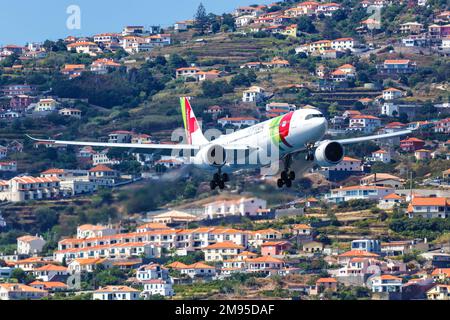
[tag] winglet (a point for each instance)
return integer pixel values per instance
(36, 139)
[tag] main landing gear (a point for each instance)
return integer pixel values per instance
(219, 180)
(287, 176)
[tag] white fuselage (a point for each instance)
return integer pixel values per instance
(269, 141)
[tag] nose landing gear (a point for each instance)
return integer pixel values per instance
(219, 180)
(287, 176)
(309, 152)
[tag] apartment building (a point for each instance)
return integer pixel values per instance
(429, 207)
(241, 207)
(29, 188)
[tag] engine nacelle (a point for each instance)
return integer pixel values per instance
(214, 155)
(329, 153)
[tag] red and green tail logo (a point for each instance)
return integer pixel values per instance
(279, 130)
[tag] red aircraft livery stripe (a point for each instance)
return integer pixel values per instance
(284, 128)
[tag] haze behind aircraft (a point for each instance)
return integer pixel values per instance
(260, 146)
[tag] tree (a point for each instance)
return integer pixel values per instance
(201, 19)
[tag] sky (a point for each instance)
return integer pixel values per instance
(37, 20)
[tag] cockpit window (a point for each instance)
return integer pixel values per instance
(314, 115)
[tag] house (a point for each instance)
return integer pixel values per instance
(30, 245)
(275, 248)
(187, 72)
(358, 192)
(46, 105)
(87, 231)
(116, 293)
(70, 112)
(244, 20)
(73, 70)
(312, 247)
(120, 136)
(326, 284)
(382, 180)
(276, 63)
(346, 257)
(86, 47)
(302, 232)
(8, 166)
(392, 93)
(50, 286)
(438, 32)
(429, 207)
(422, 154)
(17, 291)
(85, 264)
(221, 251)
(442, 126)
(182, 25)
(104, 65)
(198, 269)
(263, 264)
(390, 201)
(411, 28)
(348, 164)
(237, 122)
(133, 31)
(381, 156)
(364, 123)
(411, 144)
(399, 66)
(439, 292)
(49, 272)
(26, 188)
(254, 94)
(258, 237)
(386, 283)
(441, 274)
(174, 216)
(367, 245)
(18, 89)
(103, 175)
(156, 287)
(242, 207)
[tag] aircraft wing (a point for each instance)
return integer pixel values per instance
(155, 146)
(374, 137)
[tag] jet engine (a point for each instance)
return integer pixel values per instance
(329, 153)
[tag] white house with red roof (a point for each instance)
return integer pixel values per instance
(30, 244)
(358, 192)
(86, 47)
(254, 94)
(381, 156)
(386, 283)
(364, 123)
(50, 271)
(87, 231)
(390, 201)
(429, 207)
(392, 93)
(26, 188)
(222, 251)
(102, 175)
(17, 291)
(237, 207)
(109, 293)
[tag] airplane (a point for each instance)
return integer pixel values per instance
(276, 140)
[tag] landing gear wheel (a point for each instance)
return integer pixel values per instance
(288, 183)
(292, 175)
(280, 183)
(221, 185)
(225, 177)
(216, 177)
(213, 185)
(284, 175)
